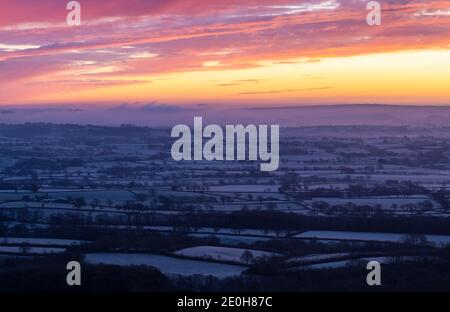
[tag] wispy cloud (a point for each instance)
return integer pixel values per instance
(284, 91)
(17, 47)
(439, 12)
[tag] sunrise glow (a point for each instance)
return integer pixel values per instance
(225, 53)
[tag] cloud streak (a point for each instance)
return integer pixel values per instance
(284, 91)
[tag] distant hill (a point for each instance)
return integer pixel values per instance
(168, 115)
(361, 114)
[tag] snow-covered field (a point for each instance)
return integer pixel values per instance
(364, 261)
(245, 188)
(438, 179)
(370, 236)
(316, 257)
(223, 253)
(385, 202)
(88, 195)
(274, 205)
(40, 241)
(233, 240)
(218, 231)
(10, 195)
(12, 224)
(30, 250)
(167, 265)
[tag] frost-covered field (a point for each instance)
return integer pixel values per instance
(224, 253)
(9, 195)
(30, 250)
(233, 240)
(315, 258)
(360, 261)
(40, 241)
(417, 178)
(245, 188)
(88, 195)
(217, 231)
(167, 265)
(386, 202)
(370, 236)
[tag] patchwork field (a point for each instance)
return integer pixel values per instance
(342, 196)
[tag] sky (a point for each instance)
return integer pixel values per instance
(229, 53)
